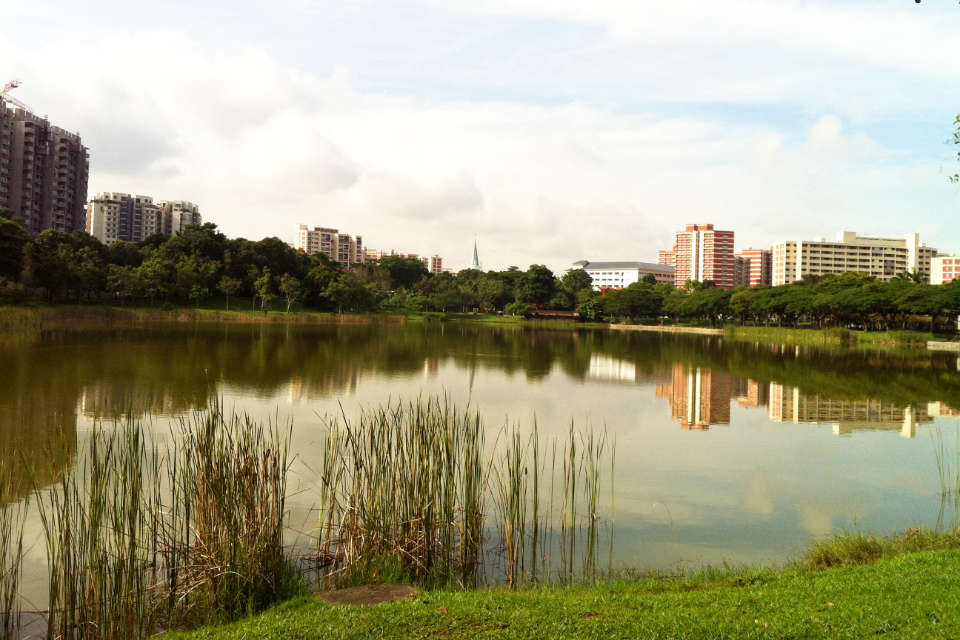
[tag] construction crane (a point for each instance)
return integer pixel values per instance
(4, 95)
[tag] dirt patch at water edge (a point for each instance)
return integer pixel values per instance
(369, 594)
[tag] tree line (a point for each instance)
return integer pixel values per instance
(202, 263)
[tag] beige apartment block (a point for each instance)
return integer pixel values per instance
(340, 247)
(882, 258)
(177, 214)
(43, 172)
(113, 217)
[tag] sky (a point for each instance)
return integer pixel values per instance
(549, 131)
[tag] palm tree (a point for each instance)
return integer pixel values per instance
(910, 276)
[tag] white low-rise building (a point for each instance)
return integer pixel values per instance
(944, 269)
(617, 275)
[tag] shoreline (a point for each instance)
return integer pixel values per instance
(19, 320)
(824, 593)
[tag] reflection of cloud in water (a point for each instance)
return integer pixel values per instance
(824, 518)
(757, 498)
(815, 519)
(730, 492)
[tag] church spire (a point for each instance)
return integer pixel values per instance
(476, 258)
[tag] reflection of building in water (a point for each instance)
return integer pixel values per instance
(942, 410)
(699, 397)
(610, 369)
(750, 393)
(431, 367)
(38, 438)
(790, 404)
(300, 388)
(114, 398)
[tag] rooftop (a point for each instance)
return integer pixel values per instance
(645, 266)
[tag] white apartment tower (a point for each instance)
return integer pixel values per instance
(113, 217)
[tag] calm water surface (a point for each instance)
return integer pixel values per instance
(724, 451)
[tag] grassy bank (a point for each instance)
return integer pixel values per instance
(829, 337)
(870, 589)
(28, 319)
(16, 320)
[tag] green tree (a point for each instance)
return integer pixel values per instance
(290, 289)
(264, 288)
(13, 241)
(517, 309)
(492, 292)
(123, 282)
(576, 280)
(348, 293)
(404, 272)
(956, 140)
(537, 286)
(156, 278)
(591, 308)
(124, 254)
(229, 287)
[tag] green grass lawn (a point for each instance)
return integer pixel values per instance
(916, 595)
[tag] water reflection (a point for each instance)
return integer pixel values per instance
(710, 466)
(170, 371)
(699, 397)
(697, 382)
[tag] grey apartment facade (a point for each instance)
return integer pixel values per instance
(43, 172)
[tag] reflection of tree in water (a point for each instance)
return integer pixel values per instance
(38, 420)
(172, 370)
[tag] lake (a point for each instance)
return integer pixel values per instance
(725, 452)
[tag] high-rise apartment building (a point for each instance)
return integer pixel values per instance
(340, 247)
(43, 172)
(177, 214)
(667, 258)
(704, 253)
(754, 267)
(882, 258)
(113, 217)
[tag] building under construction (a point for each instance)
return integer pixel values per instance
(43, 169)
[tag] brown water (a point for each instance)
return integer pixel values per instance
(724, 451)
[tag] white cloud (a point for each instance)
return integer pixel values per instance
(263, 146)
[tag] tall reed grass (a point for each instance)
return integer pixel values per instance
(413, 490)
(146, 533)
(141, 536)
(11, 558)
(403, 486)
(947, 456)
